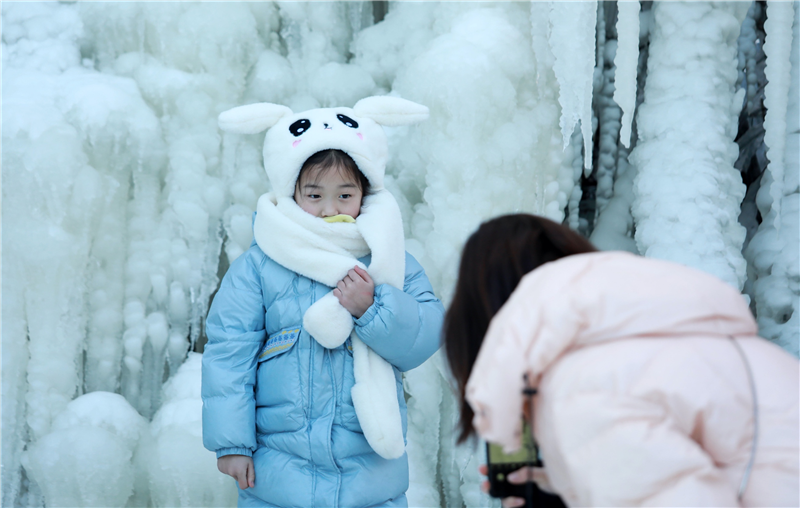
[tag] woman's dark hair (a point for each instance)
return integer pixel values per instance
(324, 161)
(493, 261)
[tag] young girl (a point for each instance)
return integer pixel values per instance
(302, 393)
(653, 386)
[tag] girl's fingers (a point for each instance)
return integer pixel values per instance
(354, 276)
(337, 293)
(251, 475)
(241, 477)
(363, 274)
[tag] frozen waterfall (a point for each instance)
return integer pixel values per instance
(123, 203)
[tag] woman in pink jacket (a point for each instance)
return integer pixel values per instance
(653, 385)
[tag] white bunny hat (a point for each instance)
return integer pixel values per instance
(294, 137)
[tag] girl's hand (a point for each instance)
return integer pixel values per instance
(519, 477)
(240, 467)
(355, 292)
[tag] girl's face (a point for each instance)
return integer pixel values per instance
(328, 193)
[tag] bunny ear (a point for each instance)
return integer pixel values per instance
(252, 118)
(391, 111)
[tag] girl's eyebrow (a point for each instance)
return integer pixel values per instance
(312, 186)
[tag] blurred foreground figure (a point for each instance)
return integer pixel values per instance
(653, 385)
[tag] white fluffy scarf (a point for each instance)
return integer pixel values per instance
(325, 253)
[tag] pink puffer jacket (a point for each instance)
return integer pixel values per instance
(643, 397)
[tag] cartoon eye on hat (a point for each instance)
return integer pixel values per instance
(347, 121)
(300, 126)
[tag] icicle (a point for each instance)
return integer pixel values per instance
(468, 458)
(540, 33)
(178, 325)
(626, 62)
(688, 193)
(14, 358)
(608, 120)
(748, 41)
(143, 224)
(424, 405)
(572, 41)
(774, 252)
(555, 175)
(359, 15)
(613, 229)
(449, 472)
(573, 163)
(103, 347)
(778, 48)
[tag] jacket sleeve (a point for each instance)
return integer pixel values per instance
(622, 450)
(539, 320)
(235, 330)
(403, 327)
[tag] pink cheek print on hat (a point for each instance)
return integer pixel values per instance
(296, 142)
(360, 136)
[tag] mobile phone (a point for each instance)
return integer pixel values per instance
(501, 464)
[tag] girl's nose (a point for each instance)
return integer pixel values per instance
(329, 210)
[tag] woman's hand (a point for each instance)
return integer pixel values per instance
(355, 292)
(240, 467)
(519, 477)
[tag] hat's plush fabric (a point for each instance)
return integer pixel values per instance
(326, 252)
(294, 137)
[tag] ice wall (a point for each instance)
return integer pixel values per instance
(123, 204)
(63, 202)
(112, 228)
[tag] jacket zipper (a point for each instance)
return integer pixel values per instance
(311, 403)
(330, 428)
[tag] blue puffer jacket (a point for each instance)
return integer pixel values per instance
(271, 391)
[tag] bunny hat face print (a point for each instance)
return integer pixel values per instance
(294, 137)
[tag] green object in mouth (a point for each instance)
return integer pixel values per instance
(339, 218)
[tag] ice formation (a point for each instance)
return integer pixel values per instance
(86, 458)
(608, 115)
(688, 194)
(773, 251)
(626, 61)
(123, 203)
(171, 461)
(572, 37)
